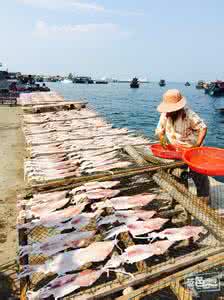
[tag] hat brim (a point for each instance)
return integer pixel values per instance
(166, 108)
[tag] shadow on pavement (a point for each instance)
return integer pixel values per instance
(8, 282)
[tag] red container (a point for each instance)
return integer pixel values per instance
(205, 160)
(169, 152)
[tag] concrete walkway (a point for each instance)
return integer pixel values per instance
(11, 182)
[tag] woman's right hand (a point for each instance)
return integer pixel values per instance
(163, 140)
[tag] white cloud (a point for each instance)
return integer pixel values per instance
(64, 4)
(42, 29)
(75, 5)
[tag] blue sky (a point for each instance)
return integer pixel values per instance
(175, 40)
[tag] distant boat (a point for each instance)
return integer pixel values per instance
(101, 82)
(215, 88)
(83, 80)
(200, 85)
(162, 82)
(134, 83)
(187, 83)
(66, 81)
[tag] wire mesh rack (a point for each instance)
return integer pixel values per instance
(176, 263)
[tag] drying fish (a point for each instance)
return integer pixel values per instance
(102, 157)
(95, 185)
(101, 193)
(47, 208)
(91, 164)
(139, 213)
(126, 216)
(55, 217)
(52, 204)
(64, 285)
(99, 152)
(137, 227)
(98, 160)
(137, 253)
(95, 195)
(72, 260)
(57, 243)
(143, 227)
(140, 252)
(49, 196)
(126, 202)
(111, 219)
(179, 234)
(79, 221)
(87, 187)
(53, 176)
(44, 198)
(79, 198)
(118, 165)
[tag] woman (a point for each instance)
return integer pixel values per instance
(180, 126)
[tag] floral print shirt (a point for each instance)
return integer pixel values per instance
(184, 131)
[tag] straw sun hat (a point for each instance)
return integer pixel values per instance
(172, 101)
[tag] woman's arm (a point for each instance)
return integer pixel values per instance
(199, 126)
(160, 130)
(201, 137)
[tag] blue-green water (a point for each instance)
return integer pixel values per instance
(136, 108)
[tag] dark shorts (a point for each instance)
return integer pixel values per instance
(202, 183)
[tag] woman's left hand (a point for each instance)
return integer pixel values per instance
(192, 146)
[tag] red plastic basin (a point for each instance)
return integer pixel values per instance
(169, 152)
(205, 160)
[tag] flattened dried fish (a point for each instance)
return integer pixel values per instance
(137, 227)
(64, 285)
(126, 202)
(179, 234)
(57, 243)
(55, 217)
(140, 252)
(72, 260)
(126, 216)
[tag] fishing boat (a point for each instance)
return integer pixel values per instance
(200, 84)
(90, 80)
(162, 82)
(101, 82)
(83, 80)
(187, 83)
(215, 88)
(134, 83)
